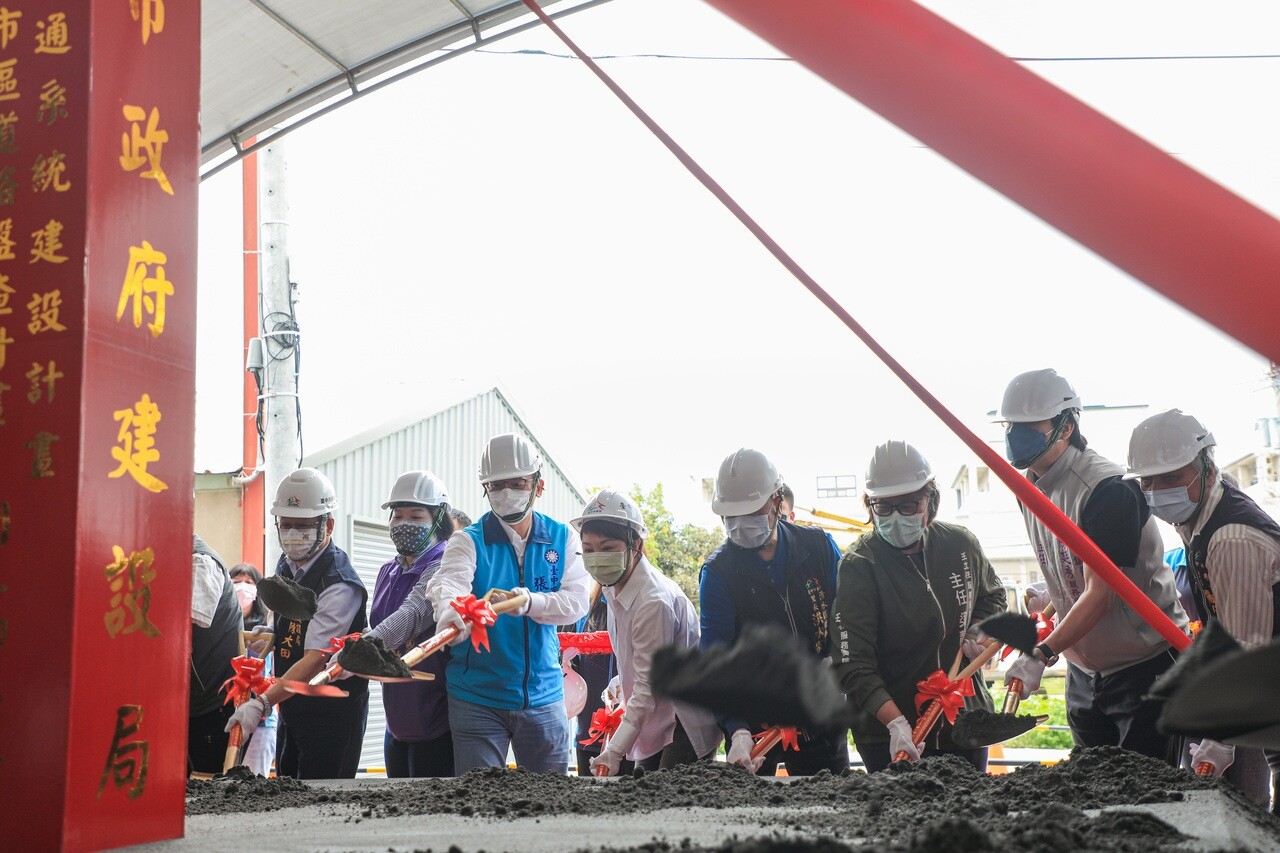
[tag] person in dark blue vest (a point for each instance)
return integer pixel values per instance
(417, 743)
(322, 736)
(769, 572)
(1232, 553)
(511, 696)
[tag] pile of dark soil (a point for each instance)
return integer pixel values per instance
(940, 804)
(370, 656)
(289, 598)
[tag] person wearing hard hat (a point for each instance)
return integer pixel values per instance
(513, 695)
(647, 611)
(770, 571)
(1232, 553)
(908, 592)
(417, 743)
(322, 736)
(1112, 655)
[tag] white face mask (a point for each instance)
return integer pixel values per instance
(607, 567)
(1172, 505)
(749, 531)
(511, 505)
(299, 545)
(246, 593)
(901, 531)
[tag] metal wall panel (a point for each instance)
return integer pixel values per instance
(370, 549)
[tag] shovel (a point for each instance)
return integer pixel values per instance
(1021, 633)
(933, 712)
(1235, 699)
(978, 728)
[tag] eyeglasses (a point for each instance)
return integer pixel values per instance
(885, 508)
(523, 484)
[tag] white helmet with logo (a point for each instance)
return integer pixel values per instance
(507, 457)
(613, 506)
(305, 493)
(897, 468)
(1166, 442)
(746, 480)
(417, 488)
(1037, 395)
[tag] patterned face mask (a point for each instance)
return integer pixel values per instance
(412, 537)
(299, 545)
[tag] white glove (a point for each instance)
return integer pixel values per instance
(607, 759)
(523, 590)
(900, 739)
(740, 746)
(1220, 755)
(1036, 597)
(249, 715)
(972, 643)
(1029, 669)
(453, 619)
(612, 694)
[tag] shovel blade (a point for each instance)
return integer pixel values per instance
(978, 728)
(303, 689)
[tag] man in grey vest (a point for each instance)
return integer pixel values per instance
(1112, 655)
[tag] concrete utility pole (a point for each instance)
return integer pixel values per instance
(280, 403)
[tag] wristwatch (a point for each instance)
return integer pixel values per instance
(1044, 654)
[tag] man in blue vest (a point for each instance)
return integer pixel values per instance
(322, 736)
(511, 696)
(769, 572)
(1232, 553)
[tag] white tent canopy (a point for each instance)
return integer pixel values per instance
(267, 65)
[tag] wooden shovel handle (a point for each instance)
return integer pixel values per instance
(234, 742)
(1013, 698)
(923, 726)
(976, 664)
(440, 639)
(327, 675)
(766, 743)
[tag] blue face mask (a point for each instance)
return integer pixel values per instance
(1172, 505)
(901, 531)
(1024, 444)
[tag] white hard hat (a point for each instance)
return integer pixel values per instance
(896, 468)
(1166, 442)
(1037, 395)
(507, 457)
(613, 506)
(305, 493)
(417, 488)
(746, 480)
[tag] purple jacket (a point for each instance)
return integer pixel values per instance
(415, 712)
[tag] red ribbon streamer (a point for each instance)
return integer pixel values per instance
(477, 613)
(1044, 627)
(942, 689)
(590, 643)
(336, 643)
(248, 679)
(789, 737)
(603, 724)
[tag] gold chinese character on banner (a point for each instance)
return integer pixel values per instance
(150, 13)
(145, 291)
(53, 102)
(9, 80)
(141, 148)
(47, 375)
(8, 187)
(8, 25)
(44, 308)
(8, 132)
(137, 438)
(49, 173)
(5, 292)
(3, 388)
(127, 759)
(52, 36)
(129, 579)
(42, 464)
(46, 243)
(5, 340)
(6, 240)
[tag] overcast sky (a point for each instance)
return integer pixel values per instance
(502, 219)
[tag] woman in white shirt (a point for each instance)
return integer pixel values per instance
(646, 612)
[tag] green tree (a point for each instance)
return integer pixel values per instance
(678, 551)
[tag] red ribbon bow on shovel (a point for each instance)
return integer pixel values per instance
(336, 643)
(1044, 627)
(248, 679)
(603, 724)
(477, 613)
(949, 694)
(788, 736)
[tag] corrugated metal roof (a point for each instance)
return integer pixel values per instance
(276, 63)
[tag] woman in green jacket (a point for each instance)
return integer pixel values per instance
(906, 594)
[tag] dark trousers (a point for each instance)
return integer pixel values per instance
(206, 740)
(825, 752)
(418, 759)
(876, 757)
(1109, 710)
(322, 741)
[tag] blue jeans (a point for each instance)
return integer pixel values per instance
(538, 737)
